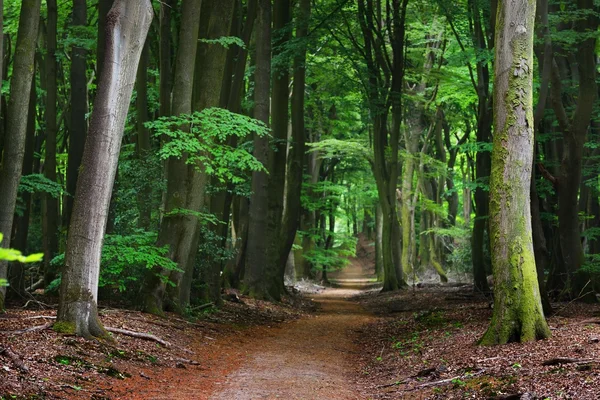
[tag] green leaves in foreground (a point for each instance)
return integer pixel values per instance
(15, 255)
(205, 138)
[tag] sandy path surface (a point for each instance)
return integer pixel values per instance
(306, 359)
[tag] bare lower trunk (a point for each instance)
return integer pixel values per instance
(14, 146)
(127, 26)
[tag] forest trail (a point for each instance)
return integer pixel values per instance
(309, 358)
(306, 359)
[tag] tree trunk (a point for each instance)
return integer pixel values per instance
(104, 7)
(21, 223)
(50, 207)
(128, 23)
(14, 146)
(277, 245)
(257, 272)
(79, 109)
(574, 131)
(165, 57)
(518, 315)
(143, 137)
(379, 243)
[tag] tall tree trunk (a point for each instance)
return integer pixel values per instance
(276, 247)
(14, 146)
(257, 272)
(50, 207)
(574, 131)
(104, 7)
(165, 49)
(128, 23)
(79, 108)
(143, 137)
(172, 229)
(21, 222)
(518, 315)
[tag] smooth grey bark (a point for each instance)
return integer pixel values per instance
(518, 315)
(172, 227)
(14, 146)
(79, 108)
(128, 23)
(257, 271)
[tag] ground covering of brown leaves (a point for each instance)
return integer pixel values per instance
(423, 346)
(55, 366)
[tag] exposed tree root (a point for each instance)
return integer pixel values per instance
(138, 335)
(14, 358)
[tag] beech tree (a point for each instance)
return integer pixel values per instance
(518, 314)
(127, 23)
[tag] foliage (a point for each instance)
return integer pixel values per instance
(225, 41)
(15, 255)
(126, 258)
(334, 258)
(202, 136)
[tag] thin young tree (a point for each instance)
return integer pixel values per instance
(128, 23)
(518, 314)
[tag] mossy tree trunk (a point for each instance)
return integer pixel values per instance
(14, 142)
(128, 23)
(518, 315)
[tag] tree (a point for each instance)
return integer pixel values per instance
(79, 106)
(50, 204)
(128, 23)
(14, 147)
(518, 314)
(258, 275)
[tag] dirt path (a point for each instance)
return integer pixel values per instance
(306, 359)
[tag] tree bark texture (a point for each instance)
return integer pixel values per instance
(14, 146)
(128, 23)
(518, 314)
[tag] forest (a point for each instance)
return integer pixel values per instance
(243, 198)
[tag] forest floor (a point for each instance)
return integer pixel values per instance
(342, 343)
